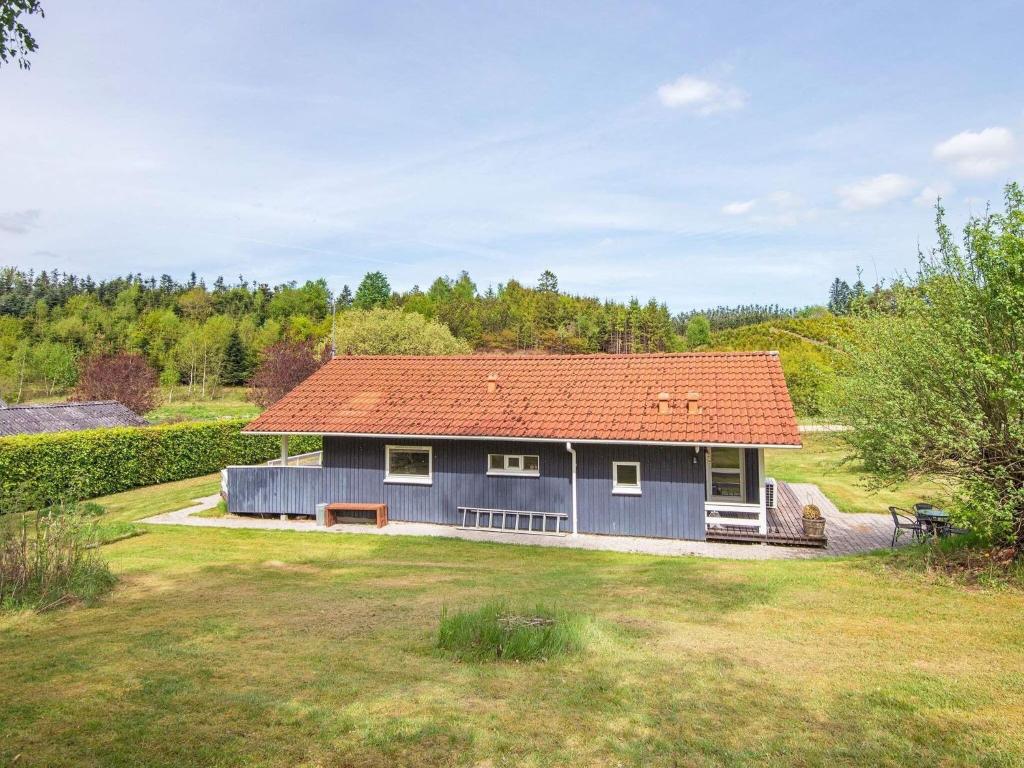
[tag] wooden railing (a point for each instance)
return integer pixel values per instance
(753, 516)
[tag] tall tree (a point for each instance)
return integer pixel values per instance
(235, 368)
(548, 282)
(938, 385)
(839, 297)
(373, 291)
(698, 331)
(16, 42)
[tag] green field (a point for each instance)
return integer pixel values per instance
(223, 647)
(228, 402)
(823, 460)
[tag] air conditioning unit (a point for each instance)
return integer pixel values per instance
(769, 492)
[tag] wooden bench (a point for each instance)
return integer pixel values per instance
(333, 511)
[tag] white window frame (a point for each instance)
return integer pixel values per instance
(506, 472)
(742, 472)
(621, 489)
(427, 479)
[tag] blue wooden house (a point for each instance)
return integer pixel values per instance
(658, 445)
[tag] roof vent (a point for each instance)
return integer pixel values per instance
(663, 402)
(692, 403)
(492, 382)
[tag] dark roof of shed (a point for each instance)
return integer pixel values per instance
(64, 417)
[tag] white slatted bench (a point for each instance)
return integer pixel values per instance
(473, 518)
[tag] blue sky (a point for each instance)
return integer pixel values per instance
(703, 153)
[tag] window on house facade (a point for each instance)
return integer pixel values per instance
(513, 464)
(408, 464)
(725, 478)
(626, 477)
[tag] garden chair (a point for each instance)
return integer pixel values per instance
(904, 521)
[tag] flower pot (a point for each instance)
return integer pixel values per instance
(814, 527)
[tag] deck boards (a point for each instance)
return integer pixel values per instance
(785, 524)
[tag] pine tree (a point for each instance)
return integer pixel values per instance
(345, 297)
(839, 297)
(235, 370)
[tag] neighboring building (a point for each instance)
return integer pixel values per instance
(643, 445)
(65, 417)
(636, 444)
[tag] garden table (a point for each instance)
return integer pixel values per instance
(935, 521)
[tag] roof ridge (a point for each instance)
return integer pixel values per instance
(64, 404)
(553, 356)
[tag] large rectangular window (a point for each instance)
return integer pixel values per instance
(522, 465)
(408, 464)
(626, 478)
(726, 475)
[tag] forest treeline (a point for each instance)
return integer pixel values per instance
(205, 336)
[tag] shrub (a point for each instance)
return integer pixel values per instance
(283, 367)
(42, 469)
(46, 562)
(494, 632)
(128, 379)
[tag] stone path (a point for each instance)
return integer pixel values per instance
(847, 534)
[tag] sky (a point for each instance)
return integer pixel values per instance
(700, 153)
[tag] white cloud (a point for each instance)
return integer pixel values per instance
(18, 222)
(980, 153)
(931, 192)
(774, 210)
(704, 97)
(879, 190)
(739, 208)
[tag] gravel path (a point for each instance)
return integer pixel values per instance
(848, 534)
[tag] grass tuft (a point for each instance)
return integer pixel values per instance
(50, 561)
(495, 632)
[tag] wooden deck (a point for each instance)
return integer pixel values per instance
(785, 525)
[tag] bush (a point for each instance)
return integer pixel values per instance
(973, 560)
(496, 633)
(46, 562)
(37, 470)
(126, 378)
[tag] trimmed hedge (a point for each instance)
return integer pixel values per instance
(42, 469)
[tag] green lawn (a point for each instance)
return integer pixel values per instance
(223, 647)
(229, 402)
(822, 461)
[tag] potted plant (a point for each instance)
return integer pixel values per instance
(814, 523)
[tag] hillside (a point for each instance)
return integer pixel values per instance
(810, 349)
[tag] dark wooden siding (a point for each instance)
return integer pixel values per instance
(274, 490)
(671, 504)
(354, 471)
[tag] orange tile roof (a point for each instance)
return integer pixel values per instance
(742, 398)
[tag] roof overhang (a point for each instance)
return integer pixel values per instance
(499, 438)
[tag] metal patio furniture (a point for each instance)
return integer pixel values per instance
(903, 520)
(933, 521)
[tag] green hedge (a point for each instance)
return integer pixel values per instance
(41, 469)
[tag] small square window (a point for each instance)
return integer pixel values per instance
(513, 464)
(408, 464)
(626, 477)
